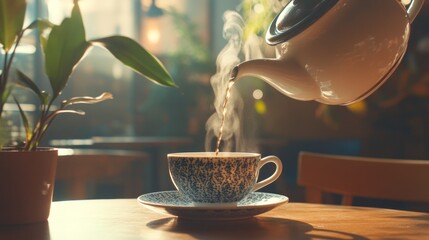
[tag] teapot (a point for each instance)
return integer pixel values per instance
(335, 52)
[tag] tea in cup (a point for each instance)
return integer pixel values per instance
(207, 178)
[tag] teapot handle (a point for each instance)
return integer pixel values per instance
(414, 9)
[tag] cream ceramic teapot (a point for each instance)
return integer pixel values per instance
(334, 51)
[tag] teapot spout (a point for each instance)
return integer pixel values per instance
(286, 76)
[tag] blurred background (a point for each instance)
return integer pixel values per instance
(187, 36)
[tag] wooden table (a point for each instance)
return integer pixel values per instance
(127, 219)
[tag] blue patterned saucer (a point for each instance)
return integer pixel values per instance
(174, 203)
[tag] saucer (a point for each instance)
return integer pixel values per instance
(174, 203)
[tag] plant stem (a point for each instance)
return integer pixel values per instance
(3, 80)
(7, 64)
(41, 126)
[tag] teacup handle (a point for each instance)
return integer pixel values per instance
(274, 176)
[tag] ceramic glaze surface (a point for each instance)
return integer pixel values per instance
(214, 180)
(175, 203)
(341, 57)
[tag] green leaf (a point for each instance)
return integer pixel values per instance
(65, 47)
(12, 13)
(43, 41)
(88, 100)
(25, 81)
(41, 24)
(130, 53)
(5, 95)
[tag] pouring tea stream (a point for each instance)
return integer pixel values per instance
(335, 52)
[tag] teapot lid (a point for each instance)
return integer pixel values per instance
(295, 17)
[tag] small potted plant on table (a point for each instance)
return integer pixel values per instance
(27, 171)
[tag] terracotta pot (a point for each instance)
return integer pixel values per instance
(26, 185)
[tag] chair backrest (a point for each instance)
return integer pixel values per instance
(82, 167)
(389, 179)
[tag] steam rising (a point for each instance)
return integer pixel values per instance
(227, 59)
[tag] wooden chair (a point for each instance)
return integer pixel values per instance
(81, 168)
(387, 179)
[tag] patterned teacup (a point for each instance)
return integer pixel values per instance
(207, 179)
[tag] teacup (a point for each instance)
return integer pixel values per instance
(210, 179)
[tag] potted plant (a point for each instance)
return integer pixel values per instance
(27, 171)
